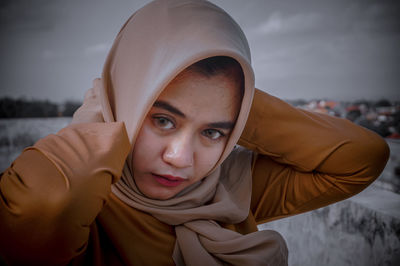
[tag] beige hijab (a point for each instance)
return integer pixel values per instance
(155, 44)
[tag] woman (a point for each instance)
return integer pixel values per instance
(148, 174)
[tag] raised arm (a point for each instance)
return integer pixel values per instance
(306, 160)
(53, 191)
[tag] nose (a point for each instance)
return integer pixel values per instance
(179, 151)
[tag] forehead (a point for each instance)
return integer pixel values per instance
(195, 94)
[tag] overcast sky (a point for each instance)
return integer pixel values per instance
(338, 49)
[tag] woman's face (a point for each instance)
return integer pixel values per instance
(184, 133)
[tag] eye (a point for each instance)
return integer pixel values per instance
(213, 134)
(163, 122)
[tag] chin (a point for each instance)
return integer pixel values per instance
(158, 193)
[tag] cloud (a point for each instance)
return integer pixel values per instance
(97, 49)
(23, 15)
(277, 23)
(50, 54)
(378, 18)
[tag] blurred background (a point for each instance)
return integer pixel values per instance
(339, 57)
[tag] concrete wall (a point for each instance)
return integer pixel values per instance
(362, 231)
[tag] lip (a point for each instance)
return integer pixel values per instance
(168, 180)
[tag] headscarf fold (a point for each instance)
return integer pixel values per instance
(154, 45)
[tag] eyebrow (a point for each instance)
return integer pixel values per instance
(168, 107)
(222, 125)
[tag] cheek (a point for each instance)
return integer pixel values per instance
(207, 158)
(146, 148)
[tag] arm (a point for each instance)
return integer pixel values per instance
(306, 160)
(54, 190)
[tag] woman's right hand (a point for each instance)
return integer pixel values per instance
(54, 190)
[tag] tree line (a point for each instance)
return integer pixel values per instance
(19, 108)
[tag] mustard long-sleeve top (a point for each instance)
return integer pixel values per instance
(302, 161)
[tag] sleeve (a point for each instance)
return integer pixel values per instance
(306, 160)
(53, 191)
